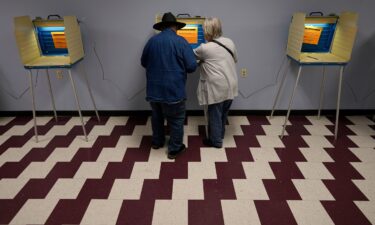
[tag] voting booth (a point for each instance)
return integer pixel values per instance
(54, 42)
(318, 40)
(193, 31)
(49, 43)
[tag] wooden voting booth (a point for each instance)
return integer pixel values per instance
(318, 40)
(322, 39)
(54, 42)
(193, 31)
(49, 43)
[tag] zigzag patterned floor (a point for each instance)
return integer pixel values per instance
(116, 178)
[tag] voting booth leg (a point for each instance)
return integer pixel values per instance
(291, 100)
(33, 103)
(77, 103)
(280, 87)
(322, 92)
(338, 102)
(205, 110)
(91, 95)
(51, 95)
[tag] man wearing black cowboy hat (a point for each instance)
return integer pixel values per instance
(168, 58)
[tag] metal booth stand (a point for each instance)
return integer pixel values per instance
(319, 41)
(50, 44)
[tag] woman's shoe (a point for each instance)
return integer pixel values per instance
(173, 155)
(153, 146)
(207, 142)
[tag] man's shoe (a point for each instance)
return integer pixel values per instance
(173, 155)
(207, 142)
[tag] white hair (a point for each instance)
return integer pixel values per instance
(212, 28)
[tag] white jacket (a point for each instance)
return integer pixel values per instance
(218, 77)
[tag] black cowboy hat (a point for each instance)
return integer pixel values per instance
(168, 20)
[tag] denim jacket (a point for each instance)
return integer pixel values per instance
(167, 58)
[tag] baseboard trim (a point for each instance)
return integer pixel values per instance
(343, 112)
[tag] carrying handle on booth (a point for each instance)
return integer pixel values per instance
(315, 13)
(54, 15)
(183, 14)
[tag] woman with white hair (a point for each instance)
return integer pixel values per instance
(218, 84)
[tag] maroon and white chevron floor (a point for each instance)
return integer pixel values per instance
(256, 178)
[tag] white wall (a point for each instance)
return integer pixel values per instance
(119, 29)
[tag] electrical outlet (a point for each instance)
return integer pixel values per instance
(244, 72)
(59, 74)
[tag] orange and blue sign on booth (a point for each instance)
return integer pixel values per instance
(190, 33)
(312, 35)
(193, 31)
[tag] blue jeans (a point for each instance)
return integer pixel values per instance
(175, 115)
(217, 117)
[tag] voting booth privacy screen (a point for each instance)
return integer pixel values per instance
(192, 32)
(318, 36)
(51, 37)
(322, 39)
(48, 42)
